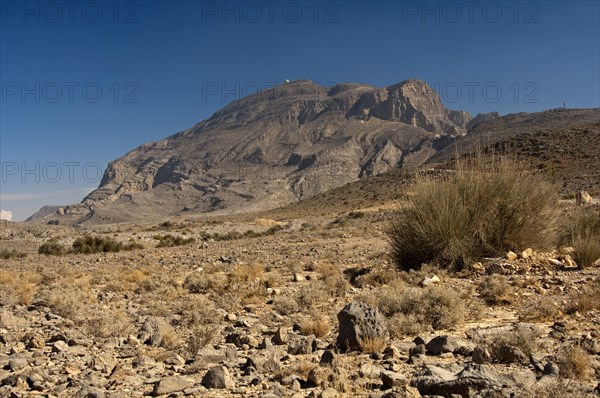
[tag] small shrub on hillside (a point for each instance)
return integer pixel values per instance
(319, 325)
(495, 289)
(574, 363)
(285, 305)
(522, 336)
(51, 248)
(6, 254)
(484, 208)
(412, 310)
(583, 234)
(586, 300)
(172, 241)
(87, 245)
(538, 310)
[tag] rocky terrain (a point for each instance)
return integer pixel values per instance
(276, 305)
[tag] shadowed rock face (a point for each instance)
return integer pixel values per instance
(277, 146)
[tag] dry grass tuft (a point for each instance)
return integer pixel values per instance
(495, 289)
(583, 234)
(319, 325)
(574, 363)
(412, 310)
(540, 309)
(371, 345)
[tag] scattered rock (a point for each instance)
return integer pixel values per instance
(481, 355)
(441, 344)
(392, 379)
(583, 198)
(359, 321)
(510, 354)
(327, 358)
(153, 331)
(217, 377)
(171, 384)
(280, 337)
(302, 345)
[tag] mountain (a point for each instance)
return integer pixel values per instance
(43, 212)
(276, 147)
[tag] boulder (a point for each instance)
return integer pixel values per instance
(442, 344)
(153, 331)
(217, 377)
(170, 385)
(582, 198)
(357, 322)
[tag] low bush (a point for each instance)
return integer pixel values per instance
(172, 241)
(6, 254)
(412, 310)
(487, 206)
(52, 249)
(583, 234)
(495, 289)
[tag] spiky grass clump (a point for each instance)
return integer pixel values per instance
(488, 205)
(583, 234)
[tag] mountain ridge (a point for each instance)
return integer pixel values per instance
(278, 146)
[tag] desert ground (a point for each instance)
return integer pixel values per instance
(248, 305)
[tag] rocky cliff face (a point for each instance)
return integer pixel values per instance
(277, 146)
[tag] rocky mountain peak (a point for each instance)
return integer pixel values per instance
(275, 146)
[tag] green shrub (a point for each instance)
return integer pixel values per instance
(583, 234)
(95, 244)
(6, 254)
(485, 207)
(87, 245)
(52, 248)
(172, 241)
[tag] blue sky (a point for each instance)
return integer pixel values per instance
(84, 82)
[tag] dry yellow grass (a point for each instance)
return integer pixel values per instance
(319, 325)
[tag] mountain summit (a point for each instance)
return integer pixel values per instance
(275, 147)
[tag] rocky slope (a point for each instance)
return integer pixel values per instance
(257, 316)
(275, 147)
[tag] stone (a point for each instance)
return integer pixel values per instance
(417, 350)
(318, 376)
(17, 363)
(583, 198)
(511, 256)
(481, 355)
(153, 331)
(434, 380)
(171, 384)
(302, 345)
(359, 321)
(510, 354)
(441, 344)
(267, 363)
(60, 346)
(434, 280)
(526, 254)
(216, 356)
(369, 371)
(280, 337)
(217, 377)
(392, 379)
(327, 358)
(329, 393)
(551, 369)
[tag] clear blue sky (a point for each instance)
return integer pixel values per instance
(163, 66)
